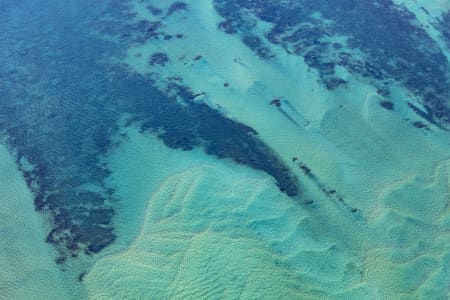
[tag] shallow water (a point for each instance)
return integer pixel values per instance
(225, 149)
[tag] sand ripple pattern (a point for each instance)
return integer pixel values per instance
(195, 244)
(211, 233)
(207, 237)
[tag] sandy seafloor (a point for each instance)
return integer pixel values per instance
(191, 226)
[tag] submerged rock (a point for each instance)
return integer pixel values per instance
(176, 6)
(387, 105)
(158, 58)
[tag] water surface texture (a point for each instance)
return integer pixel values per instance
(225, 149)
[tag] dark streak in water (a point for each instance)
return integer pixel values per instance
(427, 116)
(280, 109)
(330, 193)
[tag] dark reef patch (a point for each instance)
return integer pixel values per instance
(420, 125)
(62, 103)
(176, 6)
(154, 10)
(387, 105)
(444, 27)
(158, 58)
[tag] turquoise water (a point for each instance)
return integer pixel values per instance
(225, 149)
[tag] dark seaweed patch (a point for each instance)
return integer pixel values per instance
(419, 124)
(228, 26)
(154, 10)
(176, 6)
(81, 276)
(333, 83)
(387, 105)
(158, 58)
